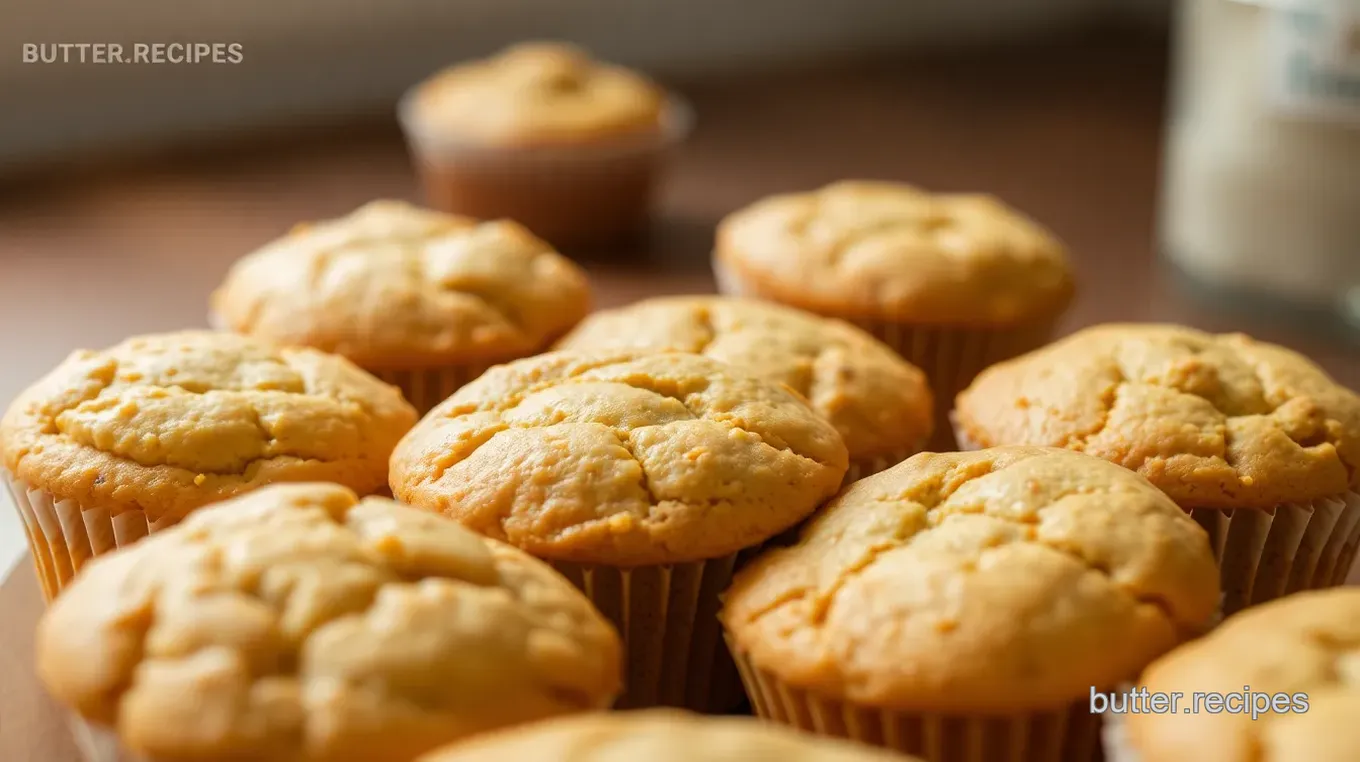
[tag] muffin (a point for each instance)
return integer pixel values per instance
(879, 403)
(639, 477)
(423, 300)
(1257, 443)
(967, 603)
(541, 133)
(656, 735)
(301, 623)
(1278, 683)
(952, 282)
(115, 444)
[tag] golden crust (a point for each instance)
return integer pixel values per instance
(1306, 644)
(878, 402)
(621, 459)
(887, 251)
(170, 422)
(1000, 581)
(394, 286)
(299, 623)
(1215, 421)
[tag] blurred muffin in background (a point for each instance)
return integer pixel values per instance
(543, 134)
(424, 300)
(122, 442)
(301, 623)
(954, 283)
(878, 402)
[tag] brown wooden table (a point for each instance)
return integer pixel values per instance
(1068, 132)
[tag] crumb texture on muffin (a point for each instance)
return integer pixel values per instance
(621, 459)
(887, 251)
(1006, 580)
(169, 422)
(1215, 421)
(301, 623)
(392, 286)
(1305, 645)
(657, 735)
(878, 402)
(536, 94)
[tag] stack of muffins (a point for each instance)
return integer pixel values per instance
(252, 549)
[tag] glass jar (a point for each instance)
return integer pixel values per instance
(1261, 192)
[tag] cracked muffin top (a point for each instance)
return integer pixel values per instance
(1215, 421)
(879, 250)
(395, 286)
(535, 94)
(657, 735)
(621, 459)
(878, 402)
(1034, 574)
(1306, 646)
(169, 422)
(301, 624)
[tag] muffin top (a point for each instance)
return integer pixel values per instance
(657, 735)
(617, 458)
(878, 250)
(395, 286)
(1215, 421)
(536, 94)
(301, 623)
(1305, 646)
(170, 422)
(1034, 574)
(878, 402)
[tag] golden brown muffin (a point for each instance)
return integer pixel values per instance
(891, 252)
(655, 736)
(879, 403)
(971, 598)
(536, 94)
(1215, 421)
(300, 624)
(166, 423)
(1306, 647)
(392, 286)
(621, 459)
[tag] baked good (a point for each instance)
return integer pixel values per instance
(973, 597)
(1253, 439)
(543, 134)
(300, 623)
(656, 735)
(641, 477)
(1278, 683)
(425, 300)
(116, 443)
(952, 282)
(878, 402)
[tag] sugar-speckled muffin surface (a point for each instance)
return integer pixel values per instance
(1215, 421)
(395, 286)
(878, 402)
(621, 459)
(301, 624)
(169, 422)
(1002, 581)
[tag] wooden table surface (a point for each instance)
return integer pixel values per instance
(1069, 133)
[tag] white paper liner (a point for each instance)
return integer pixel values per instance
(426, 387)
(870, 466)
(99, 744)
(1114, 738)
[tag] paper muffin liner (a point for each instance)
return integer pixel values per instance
(1071, 734)
(870, 466)
(1114, 739)
(63, 535)
(98, 743)
(426, 387)
(667, 616)
(1265, 554)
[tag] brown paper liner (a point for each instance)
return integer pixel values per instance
(1265, 554)
(674, 653)
(426, 387)
(1071, 734)
(64, 535)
